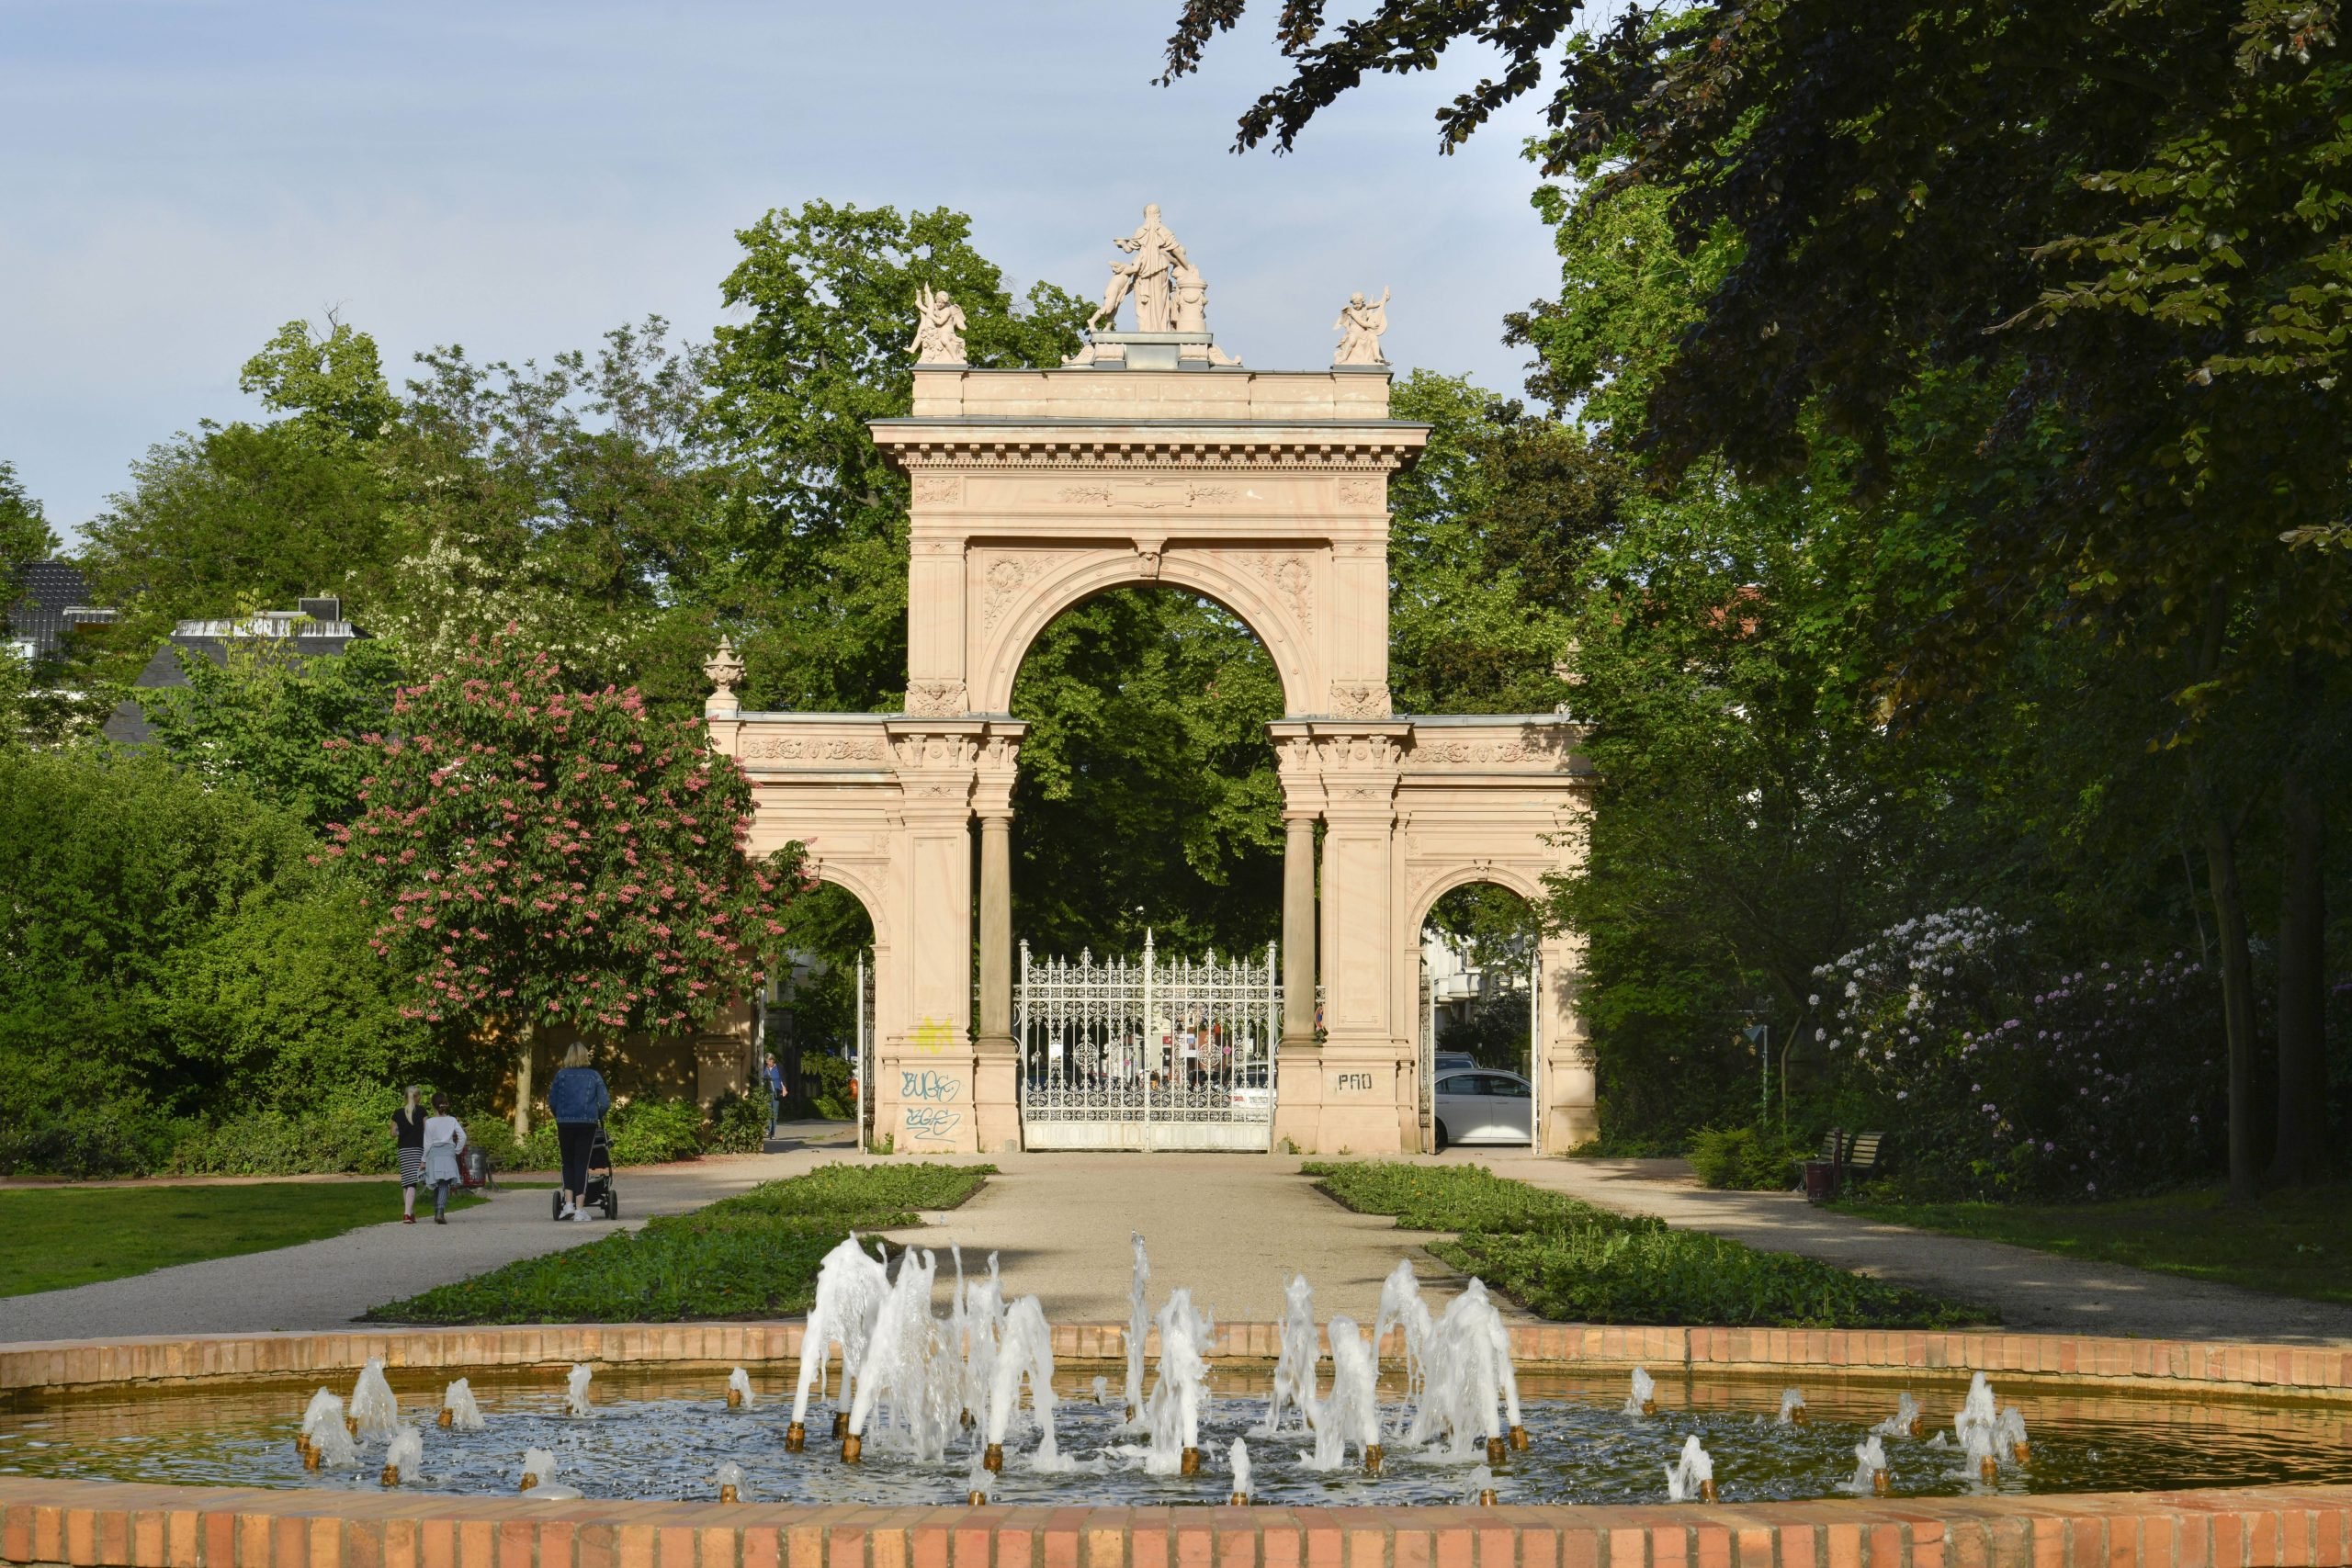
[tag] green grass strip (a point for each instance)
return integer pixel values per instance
(1570, 1262)
(755, 1255)
(51, 1237)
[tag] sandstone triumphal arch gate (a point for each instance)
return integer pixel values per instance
(1152, 459)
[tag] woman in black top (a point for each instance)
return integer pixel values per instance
(408, 1128)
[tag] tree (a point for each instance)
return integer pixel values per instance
(263, 716)
(541, 856)
(332, 386)
(815, 579)
(171, 951)
(25, 534)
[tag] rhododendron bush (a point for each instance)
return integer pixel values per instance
(538, 856)
(2000, 1078)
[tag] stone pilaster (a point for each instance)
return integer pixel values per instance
(996, 1077)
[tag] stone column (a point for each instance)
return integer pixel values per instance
(996, 930)
(1298, 931)
(996, 1077)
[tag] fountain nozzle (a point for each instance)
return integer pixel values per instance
(1188, 1463)
(727, 1494)
(1487, 1498)
(530, 1479)
(1798, 1417)
(1988, 1468)
(310, 1457)
(977, 1499)
(840, 1422)
(993, 1458)
(351, 1425)
(734, 1399)
(1649, 1406)
(444, 1418)
(1881, 1483)
(1518, 1439)
(795, 1438)
(1238, 1500)
(391, 1476)
(1497, 1450)
(2018, 1451)
(1372, 1457)
(1707, 1490)
(853, 1449)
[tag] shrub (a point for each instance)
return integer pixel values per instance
(126, 1137)
(2004, 1079)
(655, 1132)
(349, 1134)
(755, 1255)
(737, 1125)
(1750, 1160)
(1570, 1261)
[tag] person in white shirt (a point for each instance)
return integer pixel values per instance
(445, 1136)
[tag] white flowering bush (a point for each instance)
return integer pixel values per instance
(2000, 1078)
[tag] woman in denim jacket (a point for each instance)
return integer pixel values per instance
(576, 1099)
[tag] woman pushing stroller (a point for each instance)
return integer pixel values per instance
(577, 1098)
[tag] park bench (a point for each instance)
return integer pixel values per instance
(1859, 1153)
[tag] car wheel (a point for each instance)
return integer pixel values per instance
(1442, 1139)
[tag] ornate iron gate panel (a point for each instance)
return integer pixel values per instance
(1126, 1054)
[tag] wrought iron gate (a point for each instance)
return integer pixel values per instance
(1128, 1054)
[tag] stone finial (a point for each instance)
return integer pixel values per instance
(939, 328)
(1360, 326)
(725, 668)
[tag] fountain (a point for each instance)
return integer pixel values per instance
(1468, 1376)
(1296, 1374)
(1692, 1474)
(373, 1407)
(1352, 1413)
(1173, 1417)
(936, 1395)
(1904, 1422)
(459, 1410)
(404, 1456)
(326, 1441)
(1138, 1320)
(1401, 1307)
(850, 1287)
(1871, 1478)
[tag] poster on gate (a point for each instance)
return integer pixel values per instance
(1192, 1046)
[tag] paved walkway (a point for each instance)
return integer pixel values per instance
(2035, 1291)
(325, 1284)
(1233, 1227)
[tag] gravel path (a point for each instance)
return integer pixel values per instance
(325, 1284)
(2035, 1291)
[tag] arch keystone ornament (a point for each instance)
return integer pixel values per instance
(1152, 458)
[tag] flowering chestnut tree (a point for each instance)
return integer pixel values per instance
(538, 856)
(2088, 1081)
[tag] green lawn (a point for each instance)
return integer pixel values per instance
(1571, 1262)
(755, 1255)
(51, 1237)
(2295, 1242)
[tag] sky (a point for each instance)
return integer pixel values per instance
(180, 177)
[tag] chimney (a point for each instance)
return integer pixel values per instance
(320, 609)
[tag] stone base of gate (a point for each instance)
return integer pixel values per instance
(1330, 1103)
(930, 1102)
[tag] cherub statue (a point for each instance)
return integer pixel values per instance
(1123, 282)
(939, 328)
(1360, 326)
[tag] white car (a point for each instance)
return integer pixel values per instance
(1485, 1105)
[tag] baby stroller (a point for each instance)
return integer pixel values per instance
(598, 1191)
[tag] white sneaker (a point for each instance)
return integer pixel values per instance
(569, 1213)
(582, 1215)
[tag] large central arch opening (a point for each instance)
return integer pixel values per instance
(1146, 886)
